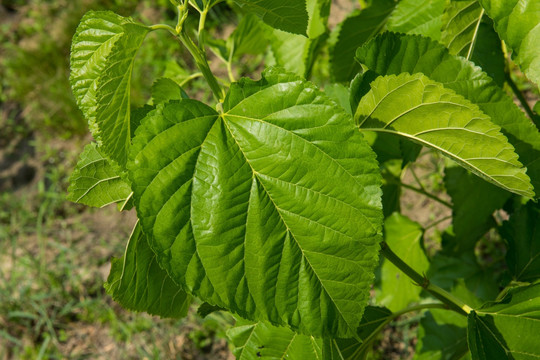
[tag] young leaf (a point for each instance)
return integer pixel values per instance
(102, 55)
(474, 202)
(393, 54)
(165, 90)
(418, 17)
(290, 16)
(262, 340)
(96, 181)
(353, 32)
(138, 283)
(461, 22)
(425, 112)
(404, 237)
(92, 44)
(522, 233)
(518, 24)
(508, 329)
(232, 223)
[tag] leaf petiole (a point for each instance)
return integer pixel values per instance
(453, 303)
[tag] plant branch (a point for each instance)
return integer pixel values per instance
(202, 64)
(520, 96)
(453, 303)
(368, 340)
(423, 192)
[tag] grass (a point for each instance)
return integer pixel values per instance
(54, 259)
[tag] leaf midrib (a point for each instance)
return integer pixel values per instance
(285, 223)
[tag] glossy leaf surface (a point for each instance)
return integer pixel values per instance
(138, 283)
(425, 112)
(262, 340)
(393, 54)
(96, 181)
(507, 329)
(270, 209)
(518, 24)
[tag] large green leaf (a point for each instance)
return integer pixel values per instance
(270, 209)
(102, 56)
(96, 181)
(394, 53)
(522, 232)
(518, 24)
(461, 22)
(473, 204)
(262, 340)
(508, 329)
(419, 17)
(425, 112)
(404, 237)
(138, 283)
(354, 31)
(290, 16)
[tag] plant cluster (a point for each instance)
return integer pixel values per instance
(274, 201)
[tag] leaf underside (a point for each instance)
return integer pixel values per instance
(96, 181)
(461, 21)
(518, 23)
(394, 54)
(266, 209)
(425, 112)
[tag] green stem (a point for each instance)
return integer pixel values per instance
(368, 340)
(520, 96)
(453, 303)
(200, 31)
(198, 55)
(202, 64)
(423, 192)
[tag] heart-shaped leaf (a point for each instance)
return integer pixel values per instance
(270, 209)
